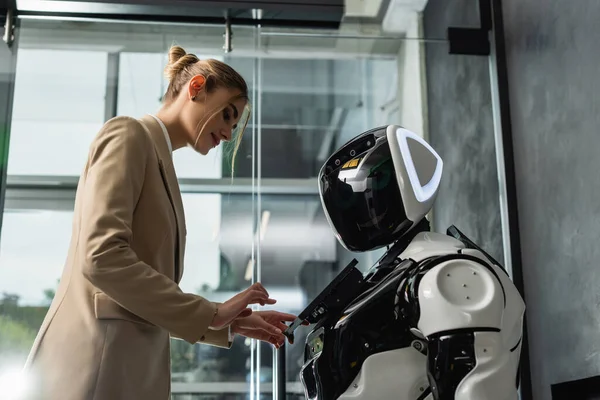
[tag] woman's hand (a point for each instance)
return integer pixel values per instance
(237, 306)
(267, 326)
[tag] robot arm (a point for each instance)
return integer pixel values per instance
(461, 306)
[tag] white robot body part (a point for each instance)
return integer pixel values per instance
(405, 368)
(418, 171)
(436, 318)
(457, 295)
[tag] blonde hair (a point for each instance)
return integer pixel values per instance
(182, 67)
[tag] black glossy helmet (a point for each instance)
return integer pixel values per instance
(378, 186)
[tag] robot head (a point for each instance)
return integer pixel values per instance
(378, 186)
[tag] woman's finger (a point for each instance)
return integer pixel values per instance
(264, 325)
(256, 288)
(272, 329)
(256, 296)
(260, 323)
(253, 297)
(276, 342)
(277, 316)
(260, 287)
(282, 326)
(280, 316)
(277, 338)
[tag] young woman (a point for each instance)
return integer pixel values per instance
(106, 335)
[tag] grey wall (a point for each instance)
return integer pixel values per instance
(554, 84)
(461, 129)
(552, 51)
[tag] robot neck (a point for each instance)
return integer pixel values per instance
(402, 243)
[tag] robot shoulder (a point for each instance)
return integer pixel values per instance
(457, 292)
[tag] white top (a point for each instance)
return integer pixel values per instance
(164, 129)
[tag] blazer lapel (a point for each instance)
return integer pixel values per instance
(167, 170)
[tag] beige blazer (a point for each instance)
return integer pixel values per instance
(106, 335)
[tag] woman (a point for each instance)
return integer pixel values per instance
(106, 335)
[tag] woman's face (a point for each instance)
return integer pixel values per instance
(205, 135)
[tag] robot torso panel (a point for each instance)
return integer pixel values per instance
(435, 318)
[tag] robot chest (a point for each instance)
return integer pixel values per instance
(367, 337)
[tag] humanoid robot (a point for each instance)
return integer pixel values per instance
(435, 318)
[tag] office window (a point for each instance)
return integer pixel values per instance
(58, 108)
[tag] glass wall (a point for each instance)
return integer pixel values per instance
(311, 92)
(69, 80)
(309, 95)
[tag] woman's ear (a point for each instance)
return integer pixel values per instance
(197, 84)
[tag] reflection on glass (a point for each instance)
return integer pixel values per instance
(312, 106)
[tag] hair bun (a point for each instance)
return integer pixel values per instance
(178, 60)
(175, 54)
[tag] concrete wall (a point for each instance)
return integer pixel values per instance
(553, 82)
(461, 130)
(553, 60)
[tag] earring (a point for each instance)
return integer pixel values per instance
(193, 98)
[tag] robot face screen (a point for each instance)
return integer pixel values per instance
(363, 200)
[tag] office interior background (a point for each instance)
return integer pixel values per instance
(504, 90)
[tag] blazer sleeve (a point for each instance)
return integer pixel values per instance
(114, 177)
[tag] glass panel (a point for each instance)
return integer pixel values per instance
(311, 103)
(57, 110)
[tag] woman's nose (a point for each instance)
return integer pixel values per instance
(226, 134)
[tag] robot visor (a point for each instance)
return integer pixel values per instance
(363, 200)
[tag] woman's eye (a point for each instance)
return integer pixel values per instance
(226, 115)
